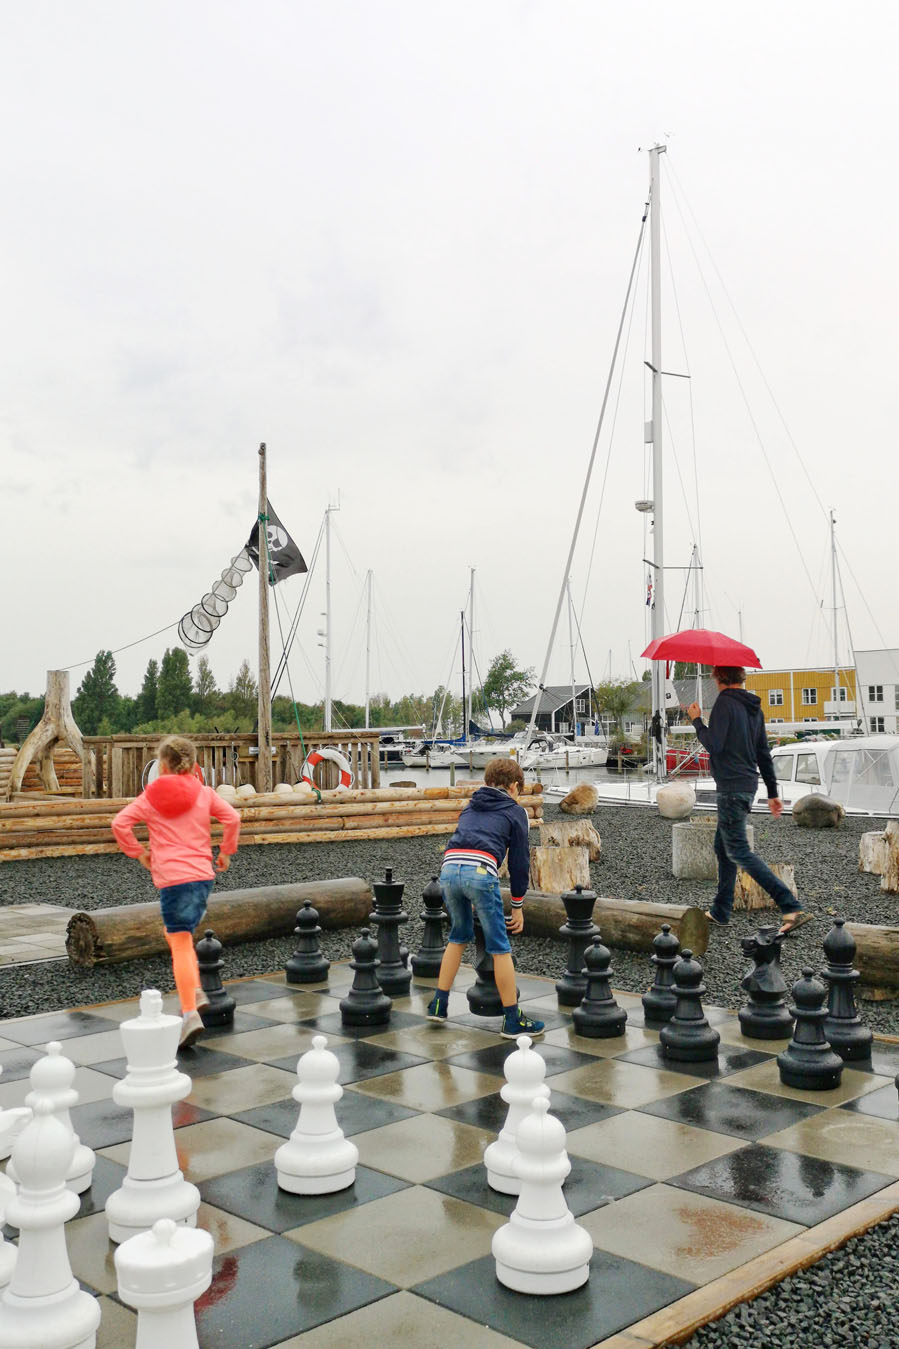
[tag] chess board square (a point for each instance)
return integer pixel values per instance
(405, 1237)
(435, 1040)
(210, 1148)
(108, 1176)
(626, 1085)
(634, 1037)
(732, 1034)
(245, 991)
(731, 1110)
(715, 1016)
(553, 1020)
(100, 1124)
(401, 1319)
(197, 1061)
(422, 1147)
(729, 1059)
(311, 1289)
(240, 1021)
(230, 1090)
(298, 1007)
(16, 1063)
(93, 1049)
(252, 1191)
(91, 1253)
(332, 1024)
(490, 1112)
(90, 1084)
(419, 997)
(558, 1058)
(884, 1103)
(40, 1030)
(588, 1185)
(646, 1146)
(766, 1077)
(118, 1324)
(429, 1086)
(884, 1060)
(617, 1293)
(355, 1114)
(843, 1136)
(666, 1228)
(279, 1040)
(360, 1059)
(800, 1189)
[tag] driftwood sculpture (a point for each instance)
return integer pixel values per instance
(56, 727)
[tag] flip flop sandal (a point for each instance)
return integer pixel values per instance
(801, 919)
(715, 921)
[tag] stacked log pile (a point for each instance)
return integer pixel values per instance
(67, 766)
(53, 828)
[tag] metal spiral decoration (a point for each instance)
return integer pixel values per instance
(196, 627)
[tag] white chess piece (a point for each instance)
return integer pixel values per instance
(12, 1122)
(154, 1186)
(317, 1159)
(42, 1304)
(51, 1081)
(541, 1249)
(525, 1071)
(162, 1273)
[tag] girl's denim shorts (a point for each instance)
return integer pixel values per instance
(467, 888)
(184, 905)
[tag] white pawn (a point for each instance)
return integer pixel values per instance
(317, 1159)
(162, 1273)
(541, 1249)
(51, 1081)
(12, 1122)
(42, 1304)
(154, 1186)
(525, 1071)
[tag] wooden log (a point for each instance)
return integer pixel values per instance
(625, 923)
(890, 878)
(748, 894)
(877, 958)
(872, 852)
(569, 834)
(135, 930)
(555, 870)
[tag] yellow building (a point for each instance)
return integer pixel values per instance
(804, 695)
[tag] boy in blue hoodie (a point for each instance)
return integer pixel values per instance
(492, 824)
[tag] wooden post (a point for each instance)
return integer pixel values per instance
(56, 726)
(890, 877)
(264, 700)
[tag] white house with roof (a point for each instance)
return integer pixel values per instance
(877, 673)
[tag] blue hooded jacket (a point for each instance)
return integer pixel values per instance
(736, 741)
(493, 822)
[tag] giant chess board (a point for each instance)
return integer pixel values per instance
(696, 1182)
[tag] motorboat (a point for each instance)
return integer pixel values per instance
(862, 773)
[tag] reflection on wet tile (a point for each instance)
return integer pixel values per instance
(90, 1085)
(727, 1061)
(92, 1049)
(675, 1230)
(211, 1148)
(253, 1191)
(100, 1124)
(623, 1084)
(39, 1030)
(224, 1092)
(657, 1148)
(245, 991)
(196, 1061)
(108, 1176)
(634, 1037)
(91, 1252)
(401, 1319)
(429, 1086)
(589, 1185)
(378, 1238)
(490, 1112)
(227, 1230)
(118, 1325)
(884, 1103)
(766, 1077)
(420, 1148)
(418, 1000)
(771, 1180)
(844, 1136)
(492, 1059)
(275, 1042)
(355, 1114)
(437, 1042)
(291, 1009)
(726, 1109)
(731, 1034)
(16, 1063)
(360, 1059)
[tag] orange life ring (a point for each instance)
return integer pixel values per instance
(333, 756)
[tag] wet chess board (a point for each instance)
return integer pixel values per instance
(688, 1178)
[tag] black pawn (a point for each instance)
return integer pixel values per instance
(483, 995)
(766, 1015)
(599, 1017)
(220, 1009)
(579, 931)
(842, 1025)
(393, 973)
(307, 965)
(426, 965)
(659, 1001)
(365, 1004)
(688, 1037)
(808, 1062)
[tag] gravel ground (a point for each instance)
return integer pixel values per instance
(845, 1299)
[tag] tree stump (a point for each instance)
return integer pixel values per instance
(56, 727)
(872, 852)
(748, 894)
(571, 834)
(890, 878)
(693, 850)
(555, 870)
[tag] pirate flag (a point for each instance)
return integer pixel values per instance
(284, 557)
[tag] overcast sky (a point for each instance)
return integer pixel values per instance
(391, 238)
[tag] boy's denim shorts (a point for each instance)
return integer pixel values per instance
(466, 888)
(184, 905)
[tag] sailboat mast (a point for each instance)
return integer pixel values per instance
(328, 618)
(833, 583)
(655, 435)
(470, 651)
(464, 694)
(571, 647)
(264, 695)
(697, 614)
(367, 647)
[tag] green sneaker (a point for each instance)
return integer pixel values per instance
(516, 1023)
(438, 1007)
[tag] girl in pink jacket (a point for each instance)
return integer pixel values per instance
(177, 809)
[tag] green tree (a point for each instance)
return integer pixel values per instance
(16, 707)
(174, 688)
(148, 692)
(686, 670)
(616, 698)
(243, 692)
(505, 684)
(97, 698)
(206, 691)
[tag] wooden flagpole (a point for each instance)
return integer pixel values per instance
(264, 703)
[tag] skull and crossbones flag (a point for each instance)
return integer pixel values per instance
(284, 557)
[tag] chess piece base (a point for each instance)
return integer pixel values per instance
(760, 1024)
(75, 1313)
(545, 1258)
(137, 1205)
(697, 1049)
(316, 1184)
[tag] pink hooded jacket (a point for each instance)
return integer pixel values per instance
(177, 809)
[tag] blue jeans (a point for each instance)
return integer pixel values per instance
(732, 850)
(184, 905)
(466, 888)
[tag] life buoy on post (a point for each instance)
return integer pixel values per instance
(334, 756)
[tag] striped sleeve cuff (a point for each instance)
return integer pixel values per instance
(517, 903)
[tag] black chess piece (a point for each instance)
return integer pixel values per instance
(393, 974)
(659, 1001)
(808, 1062)
(599, 1016)
(307, 965)
(220, 1009)
(579, 930)
(483, 995)
(426, 964)
(366, 1004)
(766, 1015)
(843, 1026)
(688, 1037)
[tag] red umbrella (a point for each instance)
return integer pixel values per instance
(702, 647)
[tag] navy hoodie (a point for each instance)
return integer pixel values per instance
(736, 741)
(493, 822)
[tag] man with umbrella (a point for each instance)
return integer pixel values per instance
(738, 749)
